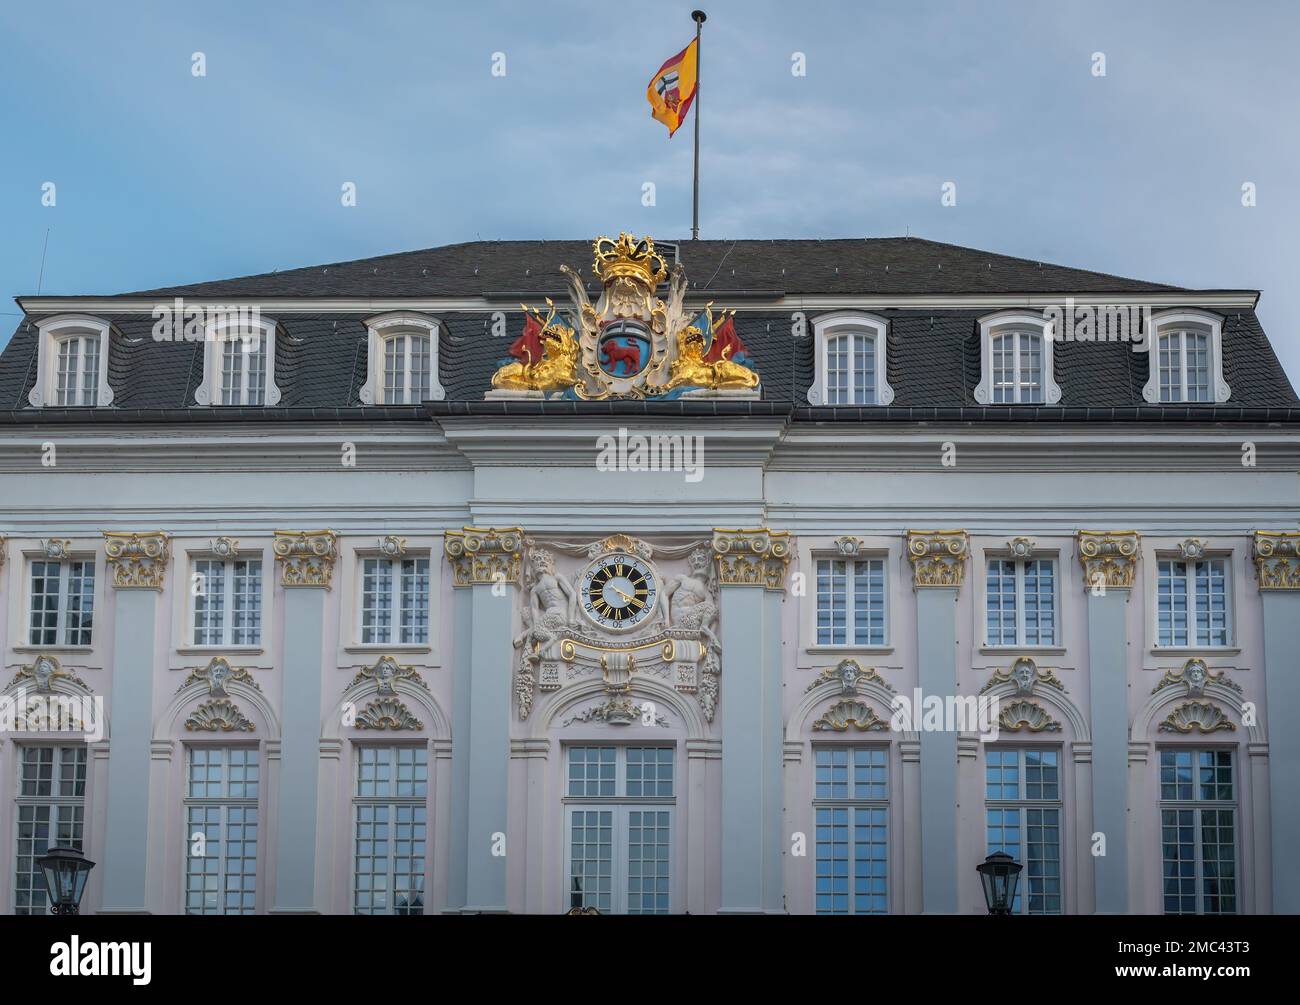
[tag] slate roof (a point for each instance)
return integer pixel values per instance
(933, 354)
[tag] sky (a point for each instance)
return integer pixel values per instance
(163, 177)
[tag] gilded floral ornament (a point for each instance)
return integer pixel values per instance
(56, 548)
(849, 547)
(1196, 717)
(757, 557)
(843, 714)
(1192, 549)
(1277, 559)
(1021, 547)
(849, 674)
(225, 547)
(392, 547)
(385, 673)
(217, 674)
(1026, 715)
(306, 557)
(1109, 558)
(219, 715)
(138, 561)
(387, 713)
(484, 555)
(938, 557)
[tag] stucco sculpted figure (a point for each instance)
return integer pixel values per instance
(691, 603)
(550, 610)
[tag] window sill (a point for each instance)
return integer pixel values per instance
(1195, 650)
(848, 650)
(53, 649)
(1023, 650)
(385, 647)
(217, 650)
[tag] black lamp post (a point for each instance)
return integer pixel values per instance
(999, 873)
(65, 871)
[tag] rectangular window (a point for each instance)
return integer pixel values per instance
(76, 374)
(1184, 361)
(51, 809)
(851, 370)
(390, 816)
(1020, 602)
(227, 602)
(62, 602)
(395, 601)
(852, 812)
(406, 369)
(851, 602)
(1198, 817)
(1022, 791)
(220, 830)
(1192, 607)
(243, 369)
(619, 811)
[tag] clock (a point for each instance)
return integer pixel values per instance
(619, 592)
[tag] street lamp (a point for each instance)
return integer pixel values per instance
(999, 873)
(65, 871)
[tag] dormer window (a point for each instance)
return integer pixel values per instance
(72, 363)
(1186, 354)
(403, 360)
(1016, 361)
(239, 362)
(850, 360)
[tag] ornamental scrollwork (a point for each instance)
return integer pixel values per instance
(1027, 715)
(217, 674)
(938, 557)
(1026, 675)
(138, 561)
(843, 714)
(1196, 717)
(755, 557)
(219, 715)
(385, 673)
(1277, 559)
(849, 674)
(387, 713)
(1194, 675)
(484, 555)
(306, 557)
(1109, 558)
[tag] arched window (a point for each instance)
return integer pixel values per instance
(403, 360)
(72, 363)
(1016, 356)
(406, 368)
(1185, 349)
(239, 360)
(850, 361)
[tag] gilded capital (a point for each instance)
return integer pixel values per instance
(938, 557)
(306, 557)
(484, 555)
(138, 561)
(1109, 558)
(1277, 559)
(753, 557)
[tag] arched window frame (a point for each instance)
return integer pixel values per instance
(1007, 323)
(217, 334)
(387, 326)
(849, 323)
(51, 334)
(1169, 322)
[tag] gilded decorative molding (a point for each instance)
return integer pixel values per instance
(1198, 717)
(849, 547)
(938, 557)
(387, 713)
(385, 672)
(138, 561)
(484, 555)
(1026, 675)
(219, 715)
(1109, 558)
(1021, 547)
(1277, 559)
(306, 557)
(850, 712)
(1192, 549)
(849, 674)
(1027, 715)
(56, 548)
(225, 547)
(43, 671)
(1194, 675)
(216, 674)
(618, 710)
(752, 557)
(393, 547)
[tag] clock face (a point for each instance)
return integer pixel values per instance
(619, 592)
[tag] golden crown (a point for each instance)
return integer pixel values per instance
(628, 257)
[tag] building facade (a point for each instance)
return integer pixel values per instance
(739, 577)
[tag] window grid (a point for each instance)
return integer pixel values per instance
(233, 586)
(390, 816)
(1184, 362)
(1023, 803)
(1192, 603)
(1020, 602)
(1198, 831)
(243, 368)
(51, 811)
(851, 807)
(1017, 359)
(620, 850)
(62, 602)
(77, 371)
(851, 369)
(407, 369)
(395, 591)
(221, 825)
(851, 603)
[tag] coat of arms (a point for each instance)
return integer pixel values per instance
(630, 343)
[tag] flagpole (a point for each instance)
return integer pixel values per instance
(699, 17)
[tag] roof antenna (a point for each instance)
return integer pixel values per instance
(41, 279)
(909, 231)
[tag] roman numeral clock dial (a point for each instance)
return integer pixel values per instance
(619, 592)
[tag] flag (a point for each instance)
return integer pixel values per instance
(672, 89)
